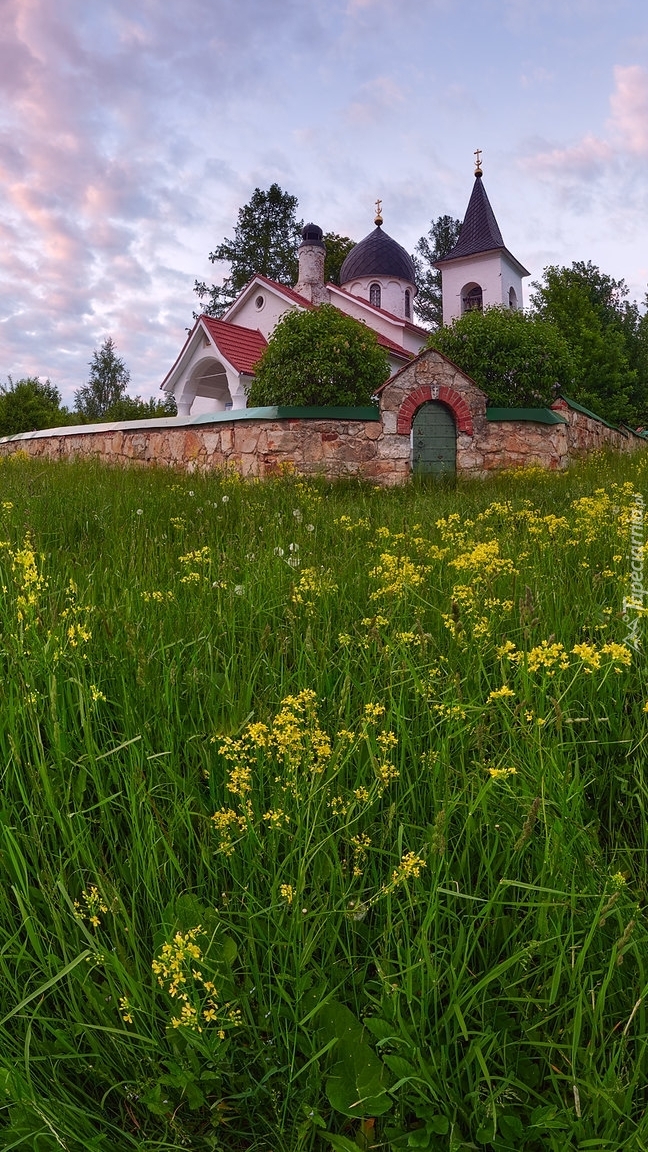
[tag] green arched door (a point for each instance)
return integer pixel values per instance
(434, 440)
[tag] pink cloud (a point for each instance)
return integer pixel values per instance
(625, 133)
(629, 104)
(581, 159)
(377, 97)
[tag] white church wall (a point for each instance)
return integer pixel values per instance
(262, 309)
(412, 341)
(494, 274)
(206, 377)
(392, 292)
(346, 302)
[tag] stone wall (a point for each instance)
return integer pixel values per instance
(482, 446)
(586, 433)
(253, 447)
(345, 442)
(522, 444)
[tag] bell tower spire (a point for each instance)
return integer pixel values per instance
(479, 272)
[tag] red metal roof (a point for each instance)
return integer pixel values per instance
(243, 347)
(391, 345)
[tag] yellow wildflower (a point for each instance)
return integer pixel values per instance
(276, 818)
(410, 865)
(619, 653)
(396, 575)
(386, 740)
(500, 693)
(125, 1009)
(361, 844)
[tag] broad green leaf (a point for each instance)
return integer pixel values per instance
(400, 1067)
(340, 1143)
(379, 1028)
(439, 1124)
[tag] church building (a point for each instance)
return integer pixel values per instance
(377, 287)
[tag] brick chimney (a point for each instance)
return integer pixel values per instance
(312, 252)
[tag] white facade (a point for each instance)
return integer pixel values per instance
(214, 370)
(402, 332)
(259, 306)
(497, 274)
(393, 293)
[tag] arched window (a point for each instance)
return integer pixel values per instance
(472, 299)
(374, 295)
(513, 300)
(408, 305)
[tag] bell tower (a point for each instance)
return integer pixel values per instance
(479, 272)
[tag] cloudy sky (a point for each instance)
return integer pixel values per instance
(131, 131)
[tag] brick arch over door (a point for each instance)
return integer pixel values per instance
(422, 395)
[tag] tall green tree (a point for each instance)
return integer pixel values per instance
(266, 238)
(590, 309)
(29, 404)
(519, 360)
(319, 357)
(337, 250)
(107, 383)
(440, 240)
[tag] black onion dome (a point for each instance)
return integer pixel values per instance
(378, 255)
(312, 234)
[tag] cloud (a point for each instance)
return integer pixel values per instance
(583, 159)
(375, 99)
(115, 149)
(628, 124)
(625, 135)
(534, 76)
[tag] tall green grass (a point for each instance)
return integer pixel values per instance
(417, 920)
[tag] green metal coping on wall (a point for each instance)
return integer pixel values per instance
(627, 430)
(368, 413)
(291, 412)
(537, 415)
(588, 412)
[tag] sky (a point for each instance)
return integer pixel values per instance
(132, 131)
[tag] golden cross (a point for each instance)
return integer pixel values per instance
(477, 154)
(378, 211)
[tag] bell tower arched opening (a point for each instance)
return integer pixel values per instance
(472, 298)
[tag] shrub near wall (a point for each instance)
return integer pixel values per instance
(319, 357)
(519, 360)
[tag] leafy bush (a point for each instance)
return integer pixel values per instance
(134, 408)
(319, 357)
(518, 359)
(29, 404)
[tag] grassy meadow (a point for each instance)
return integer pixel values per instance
(322, 815)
